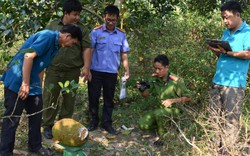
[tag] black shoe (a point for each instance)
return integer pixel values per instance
(47, 132)
(158, 143)
(92, 127)
(43, 151)
(110, 130)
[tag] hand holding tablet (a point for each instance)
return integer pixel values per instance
(216, 42)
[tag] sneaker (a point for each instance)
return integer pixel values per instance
(47, 132)
(43, 151)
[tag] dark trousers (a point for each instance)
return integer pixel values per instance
(50, 96)
(107, 81)
(32, 105)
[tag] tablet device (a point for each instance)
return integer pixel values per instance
(216, 42)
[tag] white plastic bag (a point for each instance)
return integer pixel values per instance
(123, 90)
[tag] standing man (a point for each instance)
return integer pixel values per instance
(22, 85)
(65, 67)
(229, 82)
(109, 44)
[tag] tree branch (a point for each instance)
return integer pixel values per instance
(92, 12)
(187, 140)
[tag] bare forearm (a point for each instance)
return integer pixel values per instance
(245, 54)
(125, 64)
(87, 56)
(181, 100)
(27, 67)
(241, 54)
(26, 71)
(41, 76)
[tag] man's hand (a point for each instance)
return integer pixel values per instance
(218, 50)
(27, 67)
(167, 102)
(154, 74)
(86, 74)
(24, 91)
(126, 75)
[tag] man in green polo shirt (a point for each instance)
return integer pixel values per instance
(65, 67)
(169, 89)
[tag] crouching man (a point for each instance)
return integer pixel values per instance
(169, 90)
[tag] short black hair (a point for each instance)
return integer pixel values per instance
(233, 6)
(112, 10)
(162, 59)
(74, 31)
(72, 5)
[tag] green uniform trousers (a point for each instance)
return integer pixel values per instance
(158, 118)
(50, 97)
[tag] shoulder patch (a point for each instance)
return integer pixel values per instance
(122, 30)
(97, 27)
(174, 78)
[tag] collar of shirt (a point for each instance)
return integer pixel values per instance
(162, 82)
(239, 29)
(60, 22)
(104, 28)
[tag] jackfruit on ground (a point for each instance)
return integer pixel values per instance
(70, 132)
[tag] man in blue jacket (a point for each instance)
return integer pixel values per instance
(22, 81)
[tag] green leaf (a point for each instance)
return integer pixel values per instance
(126, 132)
(72, 82)
(67, 90)
(60, 84)
(63, 89)
(51, 86)
(6, 32)
(74, 86)
(3, 27)
(66, 84)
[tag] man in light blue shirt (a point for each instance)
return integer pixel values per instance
(229, 82)
(109, 45)
(22, 81)
(231, 69)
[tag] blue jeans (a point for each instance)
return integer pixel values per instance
(14, 107)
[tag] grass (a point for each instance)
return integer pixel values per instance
(183, 137)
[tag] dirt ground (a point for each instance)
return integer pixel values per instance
(126, 143)
(100, 143)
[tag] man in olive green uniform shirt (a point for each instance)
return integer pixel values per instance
(65, 67)
(169, 90)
